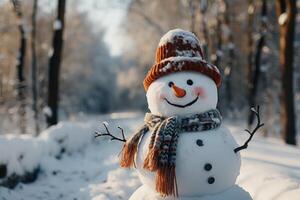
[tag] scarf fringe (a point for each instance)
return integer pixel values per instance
(151, 161)
(166, 183)
(128, 154)
(129, 150)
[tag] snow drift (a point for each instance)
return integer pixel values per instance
(74, 165)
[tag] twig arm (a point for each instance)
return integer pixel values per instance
(123, 139)
(251, 133)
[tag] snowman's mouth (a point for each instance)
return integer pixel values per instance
(182, 106)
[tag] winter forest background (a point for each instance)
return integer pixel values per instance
(109, 46)
(72, 60)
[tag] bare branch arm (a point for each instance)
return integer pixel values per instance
(251, 133)
(123, 139)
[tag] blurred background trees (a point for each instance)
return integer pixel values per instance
(55, 62)
(20, 66)
(286, 12)
(254, 43)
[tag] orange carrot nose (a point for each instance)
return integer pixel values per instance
(179, 92)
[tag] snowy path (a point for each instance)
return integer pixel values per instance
(89, 168)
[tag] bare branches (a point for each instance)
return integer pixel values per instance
(17, 7)
(149, 20)
(251, 133)
(256, 71)
(123, 139)
(137, 8)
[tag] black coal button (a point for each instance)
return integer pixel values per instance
(199, 142)
(211, 180)
(207, 166)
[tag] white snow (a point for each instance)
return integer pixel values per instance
(47, 111)
(50, 52)
(166, 68)
(270, 169)
(57, 25)
(184, 58)
(68, 136)
(230, 45)
(187, 37)
(24, 153)
(106, 123)
(282, 18)
(219, 53)
(188, 53)
(20, 153)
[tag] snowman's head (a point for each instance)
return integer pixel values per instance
(181, 81)
(182, 93)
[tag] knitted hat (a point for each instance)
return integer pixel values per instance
(180, 50)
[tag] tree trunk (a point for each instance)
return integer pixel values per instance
(34, 68)
(251, 9)
(203, 28)
(21, 85)
(257, 61)
(218, 52)
(192, 10)
(286, 11)
(230, 59)
(54, 64)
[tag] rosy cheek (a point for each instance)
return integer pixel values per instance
(162, 97)
(199, 91)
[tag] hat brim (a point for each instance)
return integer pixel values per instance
(179, 64)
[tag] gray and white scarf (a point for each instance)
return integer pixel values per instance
(161, 157)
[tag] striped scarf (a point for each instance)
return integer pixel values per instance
(161, 157)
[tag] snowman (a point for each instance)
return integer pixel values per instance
(183, 151)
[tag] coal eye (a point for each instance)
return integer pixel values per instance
(171, 84)
(189, 82)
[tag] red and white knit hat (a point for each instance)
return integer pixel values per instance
(180, 50)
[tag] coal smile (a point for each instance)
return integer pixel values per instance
(182, 106)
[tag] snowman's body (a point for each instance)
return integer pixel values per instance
(233, 193)
(205, 162)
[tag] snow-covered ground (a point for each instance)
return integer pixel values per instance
(73, 165)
